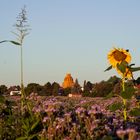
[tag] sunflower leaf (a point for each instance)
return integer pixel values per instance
(115, 106)
(122, 66)
(131, 65)
(134, 69)
(109, 68)
(128, 93)
(135, 112)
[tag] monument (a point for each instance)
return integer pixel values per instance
(68, 81)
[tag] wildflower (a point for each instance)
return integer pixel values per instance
(49, 109)
(92, 112)
(37, 109)
(116, 56)
(58, 126)
(131, 133)
(67, 138)
(121, 133)
(45, 119)
(107, 128)
(83, 101)
(33, 96)
(43, 133)
(96, 107)
(60, 120)
(68, 116)
(80, 110)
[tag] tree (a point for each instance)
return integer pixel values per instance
(66, 91)
(102, 89)
(47, 89)
(76, 88)
(114, 80)
(117, 88)
(88, 86)
(3, 89)
(55, 88)
(32, 87)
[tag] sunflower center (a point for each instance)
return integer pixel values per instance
(119, 56)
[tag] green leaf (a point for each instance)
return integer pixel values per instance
(2, 99)
(22, 138)
(135, 112)
(115, 106)
(107, 138)
(109, 68)
(110, 95)
(131, 65)
(32, 136)
(122, 66)
(35, 125)
(128, 93)
(26, 125)
(15, 43)
(3, 41)
(134, 69)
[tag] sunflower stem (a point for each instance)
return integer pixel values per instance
(124, 100)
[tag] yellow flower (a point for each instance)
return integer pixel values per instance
(127, 74)
(117, 55)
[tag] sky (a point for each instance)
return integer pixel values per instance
(68, 36)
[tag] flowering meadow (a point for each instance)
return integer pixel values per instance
(64, 118)
(115, 117)
(33, 117)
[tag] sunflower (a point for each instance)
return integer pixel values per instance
(127, 74)
(117, 55)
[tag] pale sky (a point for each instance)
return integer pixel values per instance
(68, 36)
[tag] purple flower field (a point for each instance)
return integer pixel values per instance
(64, 118)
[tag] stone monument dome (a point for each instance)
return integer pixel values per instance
(68, 81)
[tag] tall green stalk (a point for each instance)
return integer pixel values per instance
(21, 75)
(22, 31)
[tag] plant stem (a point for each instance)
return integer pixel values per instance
(22, 84)
(124, 101)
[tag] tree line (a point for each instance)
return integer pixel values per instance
(100, 89)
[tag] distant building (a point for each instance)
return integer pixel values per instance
(75, 95)
(68, 81)
(14, 90)
(15, 93)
